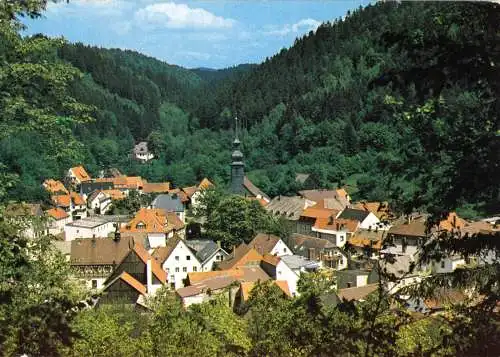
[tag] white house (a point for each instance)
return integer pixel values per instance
(99, 201)
(177, 260)
(142, 153)
(207, 252)
(88, 228)
(77, 175)
(57, 219)
(194, 192)
(367, 220)
(447, 264)
(270, 244)
(288, 268)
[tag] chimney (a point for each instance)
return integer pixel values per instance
(149, 276)
(330, 220)
(93, 241)
(218, 244)
(338, 226)
(311, 254)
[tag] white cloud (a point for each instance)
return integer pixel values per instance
(304, 25)
(179, 16)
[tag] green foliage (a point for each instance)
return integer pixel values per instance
(233, 219)
(36, 296)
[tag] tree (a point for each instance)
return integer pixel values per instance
(234, 219)
(36, 296)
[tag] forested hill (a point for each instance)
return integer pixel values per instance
(398, 101)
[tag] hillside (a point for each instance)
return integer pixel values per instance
(382, 101)
(399, 100)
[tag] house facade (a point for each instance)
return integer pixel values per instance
(141, 152)
(177, 260)
(90, 227)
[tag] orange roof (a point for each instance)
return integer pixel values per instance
(379, 209)
(57, 213)
(366, 238)
(147, 221)
(115, 194)
(342, 193)
(54, 186)
(155, 266)
(241, 256)
(77, 199)
(156, 187)
(247, 286)
(336, 224)
(317, 211)
(204, 184)
(190, 190)
(125, 182)
(240, 273)
(271, 259)
(130, 280)
(62, 200)
(80, 173)
(453, 221)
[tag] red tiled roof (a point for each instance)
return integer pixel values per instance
(77, 199)
(155, 266)
(264, 242)
(130, 280)
(204, 184)
(156, 187)
(54, 186)
(62, 200)
(115, 194)
(80, 173)
(57, 213)
(241, 256)
(336, 224)
(154, 221)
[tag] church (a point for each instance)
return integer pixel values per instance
(240, 184)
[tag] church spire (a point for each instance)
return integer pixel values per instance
(237, 166)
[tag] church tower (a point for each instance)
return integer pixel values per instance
(237, 166)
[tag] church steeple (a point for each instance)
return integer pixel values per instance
(237, 166)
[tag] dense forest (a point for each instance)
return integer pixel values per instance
(396, 101)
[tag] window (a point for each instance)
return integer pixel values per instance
(218, 257)
(188, 257)
(442, 264)
(195, 268)
(140, 225)
(177, 258)
(184, 269)
(284, 250)
(94, 284)
(172, 278)
(341, 238)
(177, 269)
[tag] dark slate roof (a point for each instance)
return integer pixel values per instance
(204, 249)
(354, 214)
(88, 187)
(168, 203)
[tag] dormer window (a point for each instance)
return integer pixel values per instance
(140, 225)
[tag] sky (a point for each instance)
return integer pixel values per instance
(190, 33)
